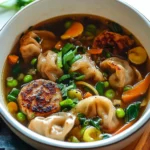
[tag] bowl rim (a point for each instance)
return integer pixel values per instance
(62, 144)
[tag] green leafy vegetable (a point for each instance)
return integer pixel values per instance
(12, 96)
(66, 87)
(95, 122)
(38, 39)
(67, 47)
(15, 6)
(68, 57)
(77, 57)
(59, 60)
(114, 27)
(132, 111)
(77, 76)
(16, 69)
(106, 136)
(100, 87)
(63, 78)
(81, 118)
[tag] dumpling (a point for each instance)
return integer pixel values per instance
(47, 66)
(86, 66)
(35, 42)
(99, 106)
(29, 47)
(48, 39)
(117, 41)
(122, 73)
(56, 126)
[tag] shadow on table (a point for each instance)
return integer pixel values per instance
(9, 141)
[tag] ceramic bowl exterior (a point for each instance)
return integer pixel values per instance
(42, 10)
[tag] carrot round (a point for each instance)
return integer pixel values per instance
(95, 51)
(12, 107)
(75, 30)
(138, 89)
(87, 94)
(13, 59)
(59, 45)
(126, 126)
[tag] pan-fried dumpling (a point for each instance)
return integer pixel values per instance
(35, 42)
(47, 66)
(122, 73)
(86, 66)
(99, 106)
(56, 126)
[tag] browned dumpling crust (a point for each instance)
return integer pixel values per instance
(39, 98)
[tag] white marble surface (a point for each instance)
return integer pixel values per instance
(142, 6)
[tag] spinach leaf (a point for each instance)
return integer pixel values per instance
(106, 136)
(114, 27)
(81, 118)
(100, 87)
(95, 122)
(132, 111)
(66, 87)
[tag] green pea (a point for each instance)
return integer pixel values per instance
(27, 78)
(91, 28)
(33, 61)
(110, 93)
(12, 83)
(106, 84)
(127, 87)
(120, 112)
(68, 24)
(21, 116)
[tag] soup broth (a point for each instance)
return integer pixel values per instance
(81, 77)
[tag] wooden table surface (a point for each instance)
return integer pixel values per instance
(9, 141)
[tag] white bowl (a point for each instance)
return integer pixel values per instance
(41, 10)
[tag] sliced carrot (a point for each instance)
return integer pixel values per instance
(138, 89)
(12, 107)
(59, 45)
(87, 94)
(13, 59)
(95, 51)
(126, 126)
(75, 30)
